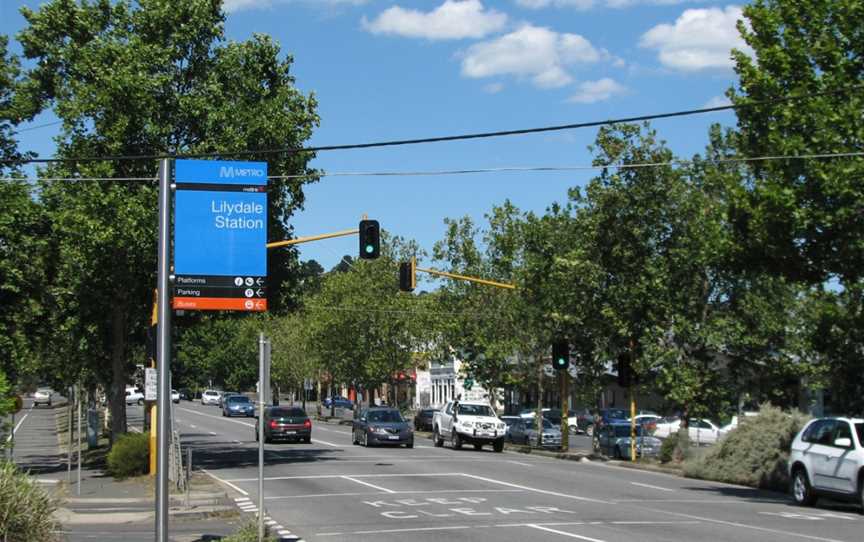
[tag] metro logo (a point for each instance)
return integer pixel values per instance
(230, 172)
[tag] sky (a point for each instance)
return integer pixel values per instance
(404, 69)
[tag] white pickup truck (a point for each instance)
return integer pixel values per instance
(468, 422)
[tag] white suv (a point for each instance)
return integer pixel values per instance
(210, 397)
(827, 459)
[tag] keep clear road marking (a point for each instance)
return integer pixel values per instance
(562, 533)
(367, 484)
(652, 487)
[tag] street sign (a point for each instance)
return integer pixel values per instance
(151, 384)
(220, 235)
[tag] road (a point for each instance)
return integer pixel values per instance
(330, 490)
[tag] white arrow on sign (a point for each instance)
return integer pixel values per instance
(259, 292)
(260, 281)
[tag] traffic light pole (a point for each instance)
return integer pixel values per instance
(343, 233)
(467, 278)
(565, 401)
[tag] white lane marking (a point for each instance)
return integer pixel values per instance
(534, 489)
(362, 475)
(419, 446)
(46, 481)
(562, 533)
(222, 418)
(226, 482)
(316, 441)
(134, 429)
(367, 484)
(214, 433)
(742, 525)
(519, 463)
(284, 532)
(237, 442)
(18, 425)
(193, 426)
(652, 487)
(241, 499)
(406, 492)
(271, 522)
(409, 530)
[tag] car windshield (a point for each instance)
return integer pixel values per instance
(287, 413)
(548, 425)
(238, 399)
(475, 410)
(624, 430)
(385, 416)
(616, 413)
(859, 428)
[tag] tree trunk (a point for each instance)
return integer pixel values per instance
(117, 392)
(538, 417)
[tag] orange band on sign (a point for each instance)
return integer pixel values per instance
(219, 303)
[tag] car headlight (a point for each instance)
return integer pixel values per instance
(502, 426)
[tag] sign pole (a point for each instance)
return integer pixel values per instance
(261, 406)
(163, 345)
(78, 444)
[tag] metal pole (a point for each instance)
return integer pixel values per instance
(78, 486)
(163, 352)
(261, 347)
(188, 473)
(565, 425)
(632, 425)
(70, 404)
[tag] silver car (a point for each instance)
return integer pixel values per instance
(524, 432)
(613, 440)
(42, 397)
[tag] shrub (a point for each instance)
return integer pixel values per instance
(26, 510)
(667, 449)
(128, 455)
(249, 533)
(754, 454)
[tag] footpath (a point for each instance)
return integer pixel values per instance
(103, 508)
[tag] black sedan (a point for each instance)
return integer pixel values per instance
(286, 423)
(381, 425)
(423, 419)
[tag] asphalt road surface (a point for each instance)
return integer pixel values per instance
(330, 490)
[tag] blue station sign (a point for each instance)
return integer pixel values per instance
(220, 235)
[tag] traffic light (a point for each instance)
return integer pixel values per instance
(370, 243)
(560, 355)
(625, 372)
(408, 275)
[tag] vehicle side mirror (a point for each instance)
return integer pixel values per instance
(843, 442)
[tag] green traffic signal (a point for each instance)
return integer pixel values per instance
(370, 242)
(560, 355)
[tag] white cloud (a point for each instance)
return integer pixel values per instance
(717, 101)
(493, 88)
(454, 19)
(537, 53)
(597, 91)
(232, 6)
(588, 4)
(700, 39)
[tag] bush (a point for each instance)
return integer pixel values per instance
(26, 510)
(128, 455)
(667, 449)
(754, 454)
(249, 533)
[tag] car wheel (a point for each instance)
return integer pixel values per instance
(498, 446)
(801, 490)
(437, 441)
(410, 444)
(267, 440)
(455, 440)
(478, 446)
(256, 435)
(354, 440)
(307, 440)
(365, 440)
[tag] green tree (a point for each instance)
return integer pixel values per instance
(143, 78)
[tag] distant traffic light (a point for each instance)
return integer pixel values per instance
(408, 275)
(370, 242)
(560, 355)
(625, 371)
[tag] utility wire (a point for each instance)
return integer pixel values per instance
(515, 169)
(460, 137)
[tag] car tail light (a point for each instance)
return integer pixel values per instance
(273, 424)
(307, 424)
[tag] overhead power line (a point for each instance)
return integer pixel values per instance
(459, 137)
(514, 169)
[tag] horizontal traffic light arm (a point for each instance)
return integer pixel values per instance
(343, 233)
(469, 279)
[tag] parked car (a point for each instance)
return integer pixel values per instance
(341, 402)
(134, 396)
(525, 432)
(210, 397)
(827, 460)
(734, 423)
(285, 423)
(237, 405)
(648, 421)
(186, 394)
(175, 396)
(614, 440)
(423, 419)
(700, 431)
(579, 420)
(381, 425)
(42, 396)
(604, 417)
